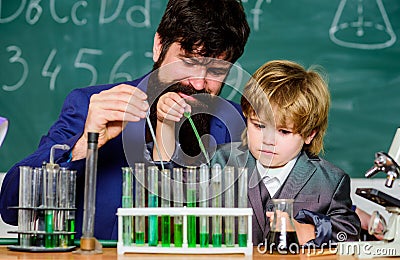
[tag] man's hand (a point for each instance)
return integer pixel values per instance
(107, 113)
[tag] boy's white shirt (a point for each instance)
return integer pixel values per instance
(273, 178)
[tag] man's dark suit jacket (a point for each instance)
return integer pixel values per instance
(313, 183)
(226, 125)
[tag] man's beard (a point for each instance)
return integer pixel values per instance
(183, 130)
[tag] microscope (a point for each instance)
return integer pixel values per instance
(390, 245)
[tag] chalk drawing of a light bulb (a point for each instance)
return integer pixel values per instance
(362, 24)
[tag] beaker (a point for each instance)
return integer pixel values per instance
(282, 236)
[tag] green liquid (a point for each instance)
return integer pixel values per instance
(139, 238)
(166, 231)
(153, 222)
(242, 240)
(127, 201)
(203, 239)
(178, 235)
(153, 230)
(217, 240)
(191, 197)
(191, 231)
(71, 228)
(49, 228)
(127, 230)
(229, 239)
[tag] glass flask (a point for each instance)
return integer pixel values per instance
(282, 236)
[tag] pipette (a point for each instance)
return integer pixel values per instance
(139, 203)
(178, 203)
(216, 203)
(229, 175)
(203, 202)
(203, 150)
(154, 138)
(242, 203)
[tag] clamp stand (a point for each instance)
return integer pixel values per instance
(389, 246)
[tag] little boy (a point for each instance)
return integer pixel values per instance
(286, 108)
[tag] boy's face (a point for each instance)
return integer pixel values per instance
(273, 145)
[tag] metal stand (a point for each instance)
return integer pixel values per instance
(389, 246)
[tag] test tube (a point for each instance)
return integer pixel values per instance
(203, 202)
(37, 188)
(24, 214)
(242, 203)
(191, 203)
(165, 203)
(229, 175)
(61, 224)
(89, 207)
(50, 199)
(139, 203)
(216, 203)
(178, 202)
(153, 202)
(127, 232)
(71, 180)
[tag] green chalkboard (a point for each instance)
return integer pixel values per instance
(48, 48)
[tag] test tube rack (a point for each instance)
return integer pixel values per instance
(46, 210)
(184, 211)
(27, 238)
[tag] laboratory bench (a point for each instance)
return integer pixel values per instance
(111, 253)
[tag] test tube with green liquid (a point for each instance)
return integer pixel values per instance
(139, 203)
(50, 195)
(191, 203)
(203, 203)
(37, 191)
(152, 172)
(178, 203)
(165, 203)
(216, 190)
(62, 201)
(71, 206)
(127, 232)
(242, 203)
(229, 175)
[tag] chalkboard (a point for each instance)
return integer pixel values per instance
(48, 48)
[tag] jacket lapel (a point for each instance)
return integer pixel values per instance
(298, 177)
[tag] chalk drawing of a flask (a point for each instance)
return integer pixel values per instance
(362, 24)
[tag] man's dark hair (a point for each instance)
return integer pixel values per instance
(215, 27)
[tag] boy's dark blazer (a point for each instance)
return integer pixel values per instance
(313, 183)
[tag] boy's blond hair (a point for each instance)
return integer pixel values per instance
(297, 95)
